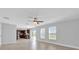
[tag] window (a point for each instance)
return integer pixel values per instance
(34, 34)
(52, 33)
(42, 33)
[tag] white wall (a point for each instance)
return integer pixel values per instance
(0, 33)
(67, 33)
(8, 33)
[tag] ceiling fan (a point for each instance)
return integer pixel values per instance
(35, 20)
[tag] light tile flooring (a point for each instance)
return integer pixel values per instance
(24, 44)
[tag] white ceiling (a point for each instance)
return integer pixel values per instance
(20, 16)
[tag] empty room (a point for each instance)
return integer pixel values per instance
(39, 28)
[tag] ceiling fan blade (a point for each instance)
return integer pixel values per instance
(31, 17)
(29, 20)
(39, 21)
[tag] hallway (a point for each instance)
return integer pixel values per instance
(23, 44)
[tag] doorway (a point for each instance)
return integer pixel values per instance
(23, 34)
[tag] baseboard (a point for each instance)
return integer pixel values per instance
(8, 43)
(59, 44)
